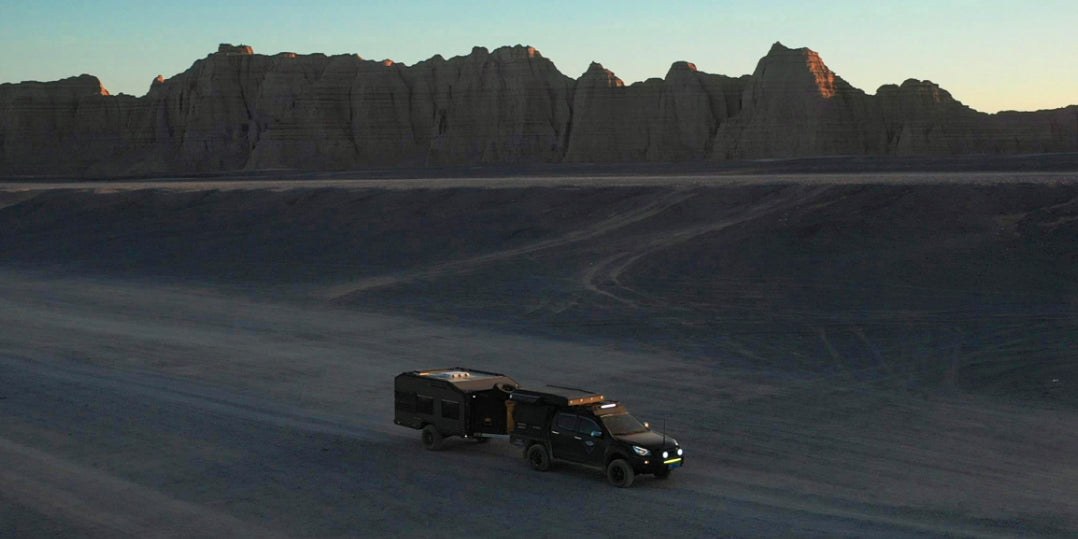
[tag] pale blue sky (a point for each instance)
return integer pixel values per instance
(990, 54)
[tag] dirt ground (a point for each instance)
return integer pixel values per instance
(882, 355)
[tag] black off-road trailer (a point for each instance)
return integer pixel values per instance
(457, 401)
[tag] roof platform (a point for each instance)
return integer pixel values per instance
(557, 395)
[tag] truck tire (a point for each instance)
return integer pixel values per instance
(619, 473)
(538, 457)
(432, 439)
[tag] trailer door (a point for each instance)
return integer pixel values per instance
(488, 413)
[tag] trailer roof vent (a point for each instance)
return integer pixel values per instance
(466, 379)
(450, 375)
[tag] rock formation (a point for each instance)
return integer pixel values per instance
(921, 118)
(237, 110)
(609, 119)
(671, 119)
(794, 106)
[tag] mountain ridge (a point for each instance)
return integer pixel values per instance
(236, 110)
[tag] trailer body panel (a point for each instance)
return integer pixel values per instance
(458, 401)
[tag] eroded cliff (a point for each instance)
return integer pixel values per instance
(237, 110)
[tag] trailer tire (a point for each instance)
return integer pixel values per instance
(619, 473)
(432, 439)
(538, 457)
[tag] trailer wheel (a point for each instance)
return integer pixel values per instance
(538, 457)
(432, 439)
(619, 473)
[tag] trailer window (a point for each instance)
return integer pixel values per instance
(424, 404)
(450, 410)
(405, 401)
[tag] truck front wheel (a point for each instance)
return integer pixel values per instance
(432, 439)
(619, 473)
(538, 457)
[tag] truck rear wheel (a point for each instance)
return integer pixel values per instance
(619, 473)
(432, 439)
(538, 457)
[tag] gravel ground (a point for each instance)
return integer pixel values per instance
(840, 356)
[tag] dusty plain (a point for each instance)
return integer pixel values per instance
(882, 354)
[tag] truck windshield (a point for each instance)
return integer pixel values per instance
(623, 424)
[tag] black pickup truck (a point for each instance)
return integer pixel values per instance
(550, 424)
(573, 425)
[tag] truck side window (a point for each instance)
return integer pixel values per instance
(566, 422)
(424, 405)
(450, 410)
(587, 426)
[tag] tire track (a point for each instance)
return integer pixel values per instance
(610, 270)
(177, 392)
(346, 292)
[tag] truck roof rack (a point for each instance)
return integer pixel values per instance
(557, 395)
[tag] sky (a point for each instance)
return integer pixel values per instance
(990, 54)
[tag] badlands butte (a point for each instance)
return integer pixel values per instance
(236, 110)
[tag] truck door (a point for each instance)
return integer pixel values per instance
(590, 437)
(564, 439)
(571, 437)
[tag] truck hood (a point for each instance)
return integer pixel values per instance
(649, 439)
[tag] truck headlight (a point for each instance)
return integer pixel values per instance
(679, 452)
(666, 454)
(643, 452)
